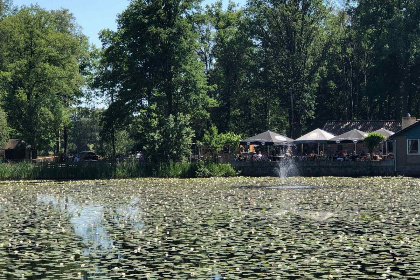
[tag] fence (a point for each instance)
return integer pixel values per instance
(316, 168)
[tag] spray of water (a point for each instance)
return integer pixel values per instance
(286, 168)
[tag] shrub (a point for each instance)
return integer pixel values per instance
(107, 170)
(373, 140)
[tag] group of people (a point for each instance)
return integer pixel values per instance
(343, 155)
(251, 157)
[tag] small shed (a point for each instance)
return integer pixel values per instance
(17, 149)
(407, 152)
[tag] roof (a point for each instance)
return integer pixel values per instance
(350, 136)
(315, 136)
(340, 127)
(14, 143)
(401, 132)
(269, 138)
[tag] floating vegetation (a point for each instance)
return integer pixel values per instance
(215, 228)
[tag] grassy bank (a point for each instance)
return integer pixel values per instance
(107, 170)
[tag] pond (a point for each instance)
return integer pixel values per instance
(223, 228)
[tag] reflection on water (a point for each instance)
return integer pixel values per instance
(130, 213)
(90, 223)
(210, 229)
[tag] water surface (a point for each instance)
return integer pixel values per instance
(211, 229)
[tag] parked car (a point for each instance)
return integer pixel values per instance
(88, 156)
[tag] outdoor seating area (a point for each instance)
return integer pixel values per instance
(336, 157)
(317, 145)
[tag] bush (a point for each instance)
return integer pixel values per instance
(106, 170)
(373, 140)
(201, 170)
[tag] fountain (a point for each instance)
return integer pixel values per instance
(286, 168)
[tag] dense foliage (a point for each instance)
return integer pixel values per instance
(41, 67)
(373, 140)
(287, 66)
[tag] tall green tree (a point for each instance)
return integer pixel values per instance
(228, 76)
(152, 59)
(40, 71)
(338, 88)
(389, 35)
(291, 35)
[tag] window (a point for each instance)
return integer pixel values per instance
(413, 146)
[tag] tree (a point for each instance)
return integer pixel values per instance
(214, 142)
(84, 129)
(40, 73)
(388, 36)
(337, 94)
(6, 7)
(152, 60)
(291, 37)
(211, 139)
(373, 140)
(228, 75)
(4, 129)
(169, 139)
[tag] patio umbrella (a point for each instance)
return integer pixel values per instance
(354, 136)
(350, 136)
(267, 138)
(315, 136)
(385, 133)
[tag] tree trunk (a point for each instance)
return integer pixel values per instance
(66, 138)
(58, 142)
(292, 115)
(113, 142)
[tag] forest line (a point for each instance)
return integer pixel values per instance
(176, 73)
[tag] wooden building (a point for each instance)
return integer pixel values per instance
(407, 152)
(16, 150)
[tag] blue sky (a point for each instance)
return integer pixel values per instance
(92, 15)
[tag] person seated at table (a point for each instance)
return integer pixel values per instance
(312, 156)
(249, 157)
(354, 156)
(340, 156)
(258, 157)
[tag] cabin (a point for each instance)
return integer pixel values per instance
(16, 150)
(407, 152)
